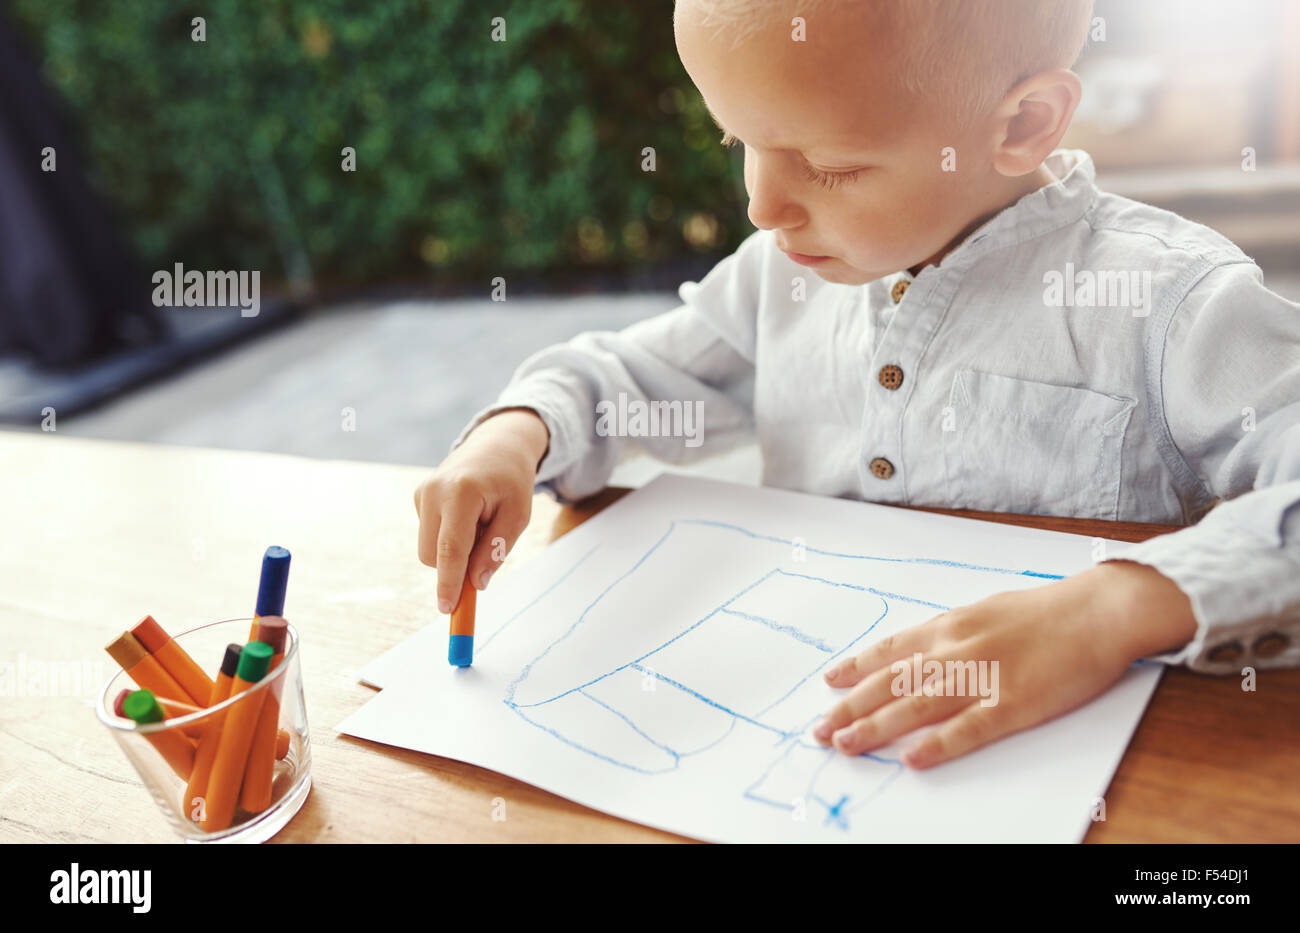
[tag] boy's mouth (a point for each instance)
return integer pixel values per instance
(805, 260)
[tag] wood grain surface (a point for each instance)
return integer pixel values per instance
(98, 533)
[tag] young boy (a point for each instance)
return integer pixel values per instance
(939, 308)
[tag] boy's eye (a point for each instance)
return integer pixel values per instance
(830, 180)
(827, 180)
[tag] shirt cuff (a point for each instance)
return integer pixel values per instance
(555, 405)
(1242, 577)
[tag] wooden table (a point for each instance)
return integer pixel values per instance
(97, 533)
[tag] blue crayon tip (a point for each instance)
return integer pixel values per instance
(460, 650)
(274, 581)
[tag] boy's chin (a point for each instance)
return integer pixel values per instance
(841, 273)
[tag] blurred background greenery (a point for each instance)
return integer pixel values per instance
(474, 157)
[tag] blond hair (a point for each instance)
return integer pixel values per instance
(968, 52)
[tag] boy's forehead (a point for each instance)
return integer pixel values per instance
(836, 90)
(828, 126)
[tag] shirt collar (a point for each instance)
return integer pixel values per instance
(1049, 208)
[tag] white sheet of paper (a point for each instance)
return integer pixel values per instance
(662, 662)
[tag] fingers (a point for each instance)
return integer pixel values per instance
(427, 542)
(894, 720)
(496, 542)
(869, 695)
(970, 729)
(468, 524)
(456, 535)
(852, 670)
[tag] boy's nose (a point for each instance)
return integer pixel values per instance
(770, 206)
(772, 211)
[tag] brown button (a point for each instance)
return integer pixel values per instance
(1271, 645)
(882, 468)
(891, 377)
(1227, 652)
(899, 290)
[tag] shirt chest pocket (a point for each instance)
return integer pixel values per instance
(1014, 445)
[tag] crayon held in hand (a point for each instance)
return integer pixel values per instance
(460, 649)
(174, 660)
(176, 749)
(236, 737)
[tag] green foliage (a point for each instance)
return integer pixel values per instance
(473, 156)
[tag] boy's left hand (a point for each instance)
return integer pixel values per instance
(1057, 647)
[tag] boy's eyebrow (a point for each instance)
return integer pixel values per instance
(714, 117)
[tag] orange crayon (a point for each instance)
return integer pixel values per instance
(172, 709)
(256, 793)
(236, 738)
(144, 669)
(178, 751)
(207, 753)
(282, 736)
(460, 646)
(174, 660)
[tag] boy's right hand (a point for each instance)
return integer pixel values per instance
(486, 483)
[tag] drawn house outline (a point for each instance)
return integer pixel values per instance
(692, 715)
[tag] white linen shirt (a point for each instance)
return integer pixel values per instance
(995, 380)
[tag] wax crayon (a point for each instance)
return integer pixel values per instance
(174, 660)
(236, 737)
(211, 738)
(460, 647)
(281, 736)
(258, 773)
(172, 709)
(271, 586)
(175, 748)
(144, 669)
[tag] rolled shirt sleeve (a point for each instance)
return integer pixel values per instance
(1227, 370)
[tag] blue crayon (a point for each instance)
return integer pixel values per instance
(460, 650)
(274, 581)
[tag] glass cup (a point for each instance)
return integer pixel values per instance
(291, 776)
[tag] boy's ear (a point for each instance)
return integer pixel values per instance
(1031, 120)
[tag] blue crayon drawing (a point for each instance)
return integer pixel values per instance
(727, 653)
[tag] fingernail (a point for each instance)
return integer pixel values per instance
(843, 740)
(822, 730)
(832, 673)
(484, 577)
(444, 606)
